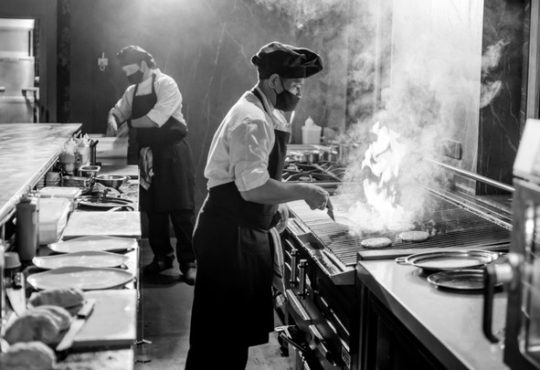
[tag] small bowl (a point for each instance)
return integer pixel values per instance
(89, 170)
(113, 181)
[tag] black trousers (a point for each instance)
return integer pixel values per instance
(158, 235)
(218, 356)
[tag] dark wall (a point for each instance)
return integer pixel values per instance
(205, 45)
(502, 120)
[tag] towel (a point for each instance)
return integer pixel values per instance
(146, 164)
(279, 267)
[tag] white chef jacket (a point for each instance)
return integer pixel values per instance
(169, 100)
(243, 142)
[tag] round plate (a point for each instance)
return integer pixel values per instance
(449, 260)
(80, 259)
(85, 278)
(468, 280)
(94, 243)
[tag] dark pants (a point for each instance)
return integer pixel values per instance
(158, 230)
(219, 356)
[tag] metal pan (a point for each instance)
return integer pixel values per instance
(468, 280)
(449, 260)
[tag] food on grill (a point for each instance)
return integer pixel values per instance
(58, 314)
(376, 243)
(58, 297)
(33, 326)
(414, 236)
(28, 356)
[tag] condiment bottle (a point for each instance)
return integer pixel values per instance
(27, 237)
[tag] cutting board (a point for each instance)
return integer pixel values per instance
(103, 223)
(113, 322)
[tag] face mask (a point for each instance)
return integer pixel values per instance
(135, 77)
(286, 100)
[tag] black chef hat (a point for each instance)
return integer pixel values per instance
(286, 60)
(134, 54)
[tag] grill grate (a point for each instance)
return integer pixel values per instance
(449, 226)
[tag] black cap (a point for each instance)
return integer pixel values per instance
(287, 61)
(134, 54)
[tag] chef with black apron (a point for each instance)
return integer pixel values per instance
(150, 112)
(232, 306)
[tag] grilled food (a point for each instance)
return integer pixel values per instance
(376, 243)
(414, 236)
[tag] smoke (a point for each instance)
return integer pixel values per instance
(490, 61)
(305, 12)
(416, 75)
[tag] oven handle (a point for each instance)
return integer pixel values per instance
(294, 254)
(297, 306)
(321, 344)
(302, 270)
(506, 272)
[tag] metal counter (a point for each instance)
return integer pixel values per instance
(27, 151)
(448, 324)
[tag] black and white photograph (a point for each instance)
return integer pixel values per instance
(269, 184)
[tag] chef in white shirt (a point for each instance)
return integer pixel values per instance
(150, 112)
(232, 306)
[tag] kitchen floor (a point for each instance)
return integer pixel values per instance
(164, 321)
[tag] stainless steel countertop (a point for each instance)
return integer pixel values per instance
(27, 150)
(448, 324)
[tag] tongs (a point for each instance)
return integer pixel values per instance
(330, 209)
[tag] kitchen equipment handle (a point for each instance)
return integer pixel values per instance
(292, 279)
(490, 280)
(302, 270)
(322, 345)
(402, 260)
(495, 273)
(297, 307)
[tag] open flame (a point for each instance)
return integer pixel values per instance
(381, 166)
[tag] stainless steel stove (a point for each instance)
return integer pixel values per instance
(321, 304)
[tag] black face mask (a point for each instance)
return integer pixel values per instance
(286, 100)
(135, 77)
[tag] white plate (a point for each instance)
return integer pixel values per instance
(80, 259)
(94, 243)
(85, 278)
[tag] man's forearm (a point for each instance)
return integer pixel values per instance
(143, 122)
(276, 192)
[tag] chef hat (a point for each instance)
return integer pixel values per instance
(286, 60)
(134, 54)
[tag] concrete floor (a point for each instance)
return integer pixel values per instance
(164, 320)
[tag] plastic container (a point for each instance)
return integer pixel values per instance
(53, 218)
(27, 237)
(311, 133)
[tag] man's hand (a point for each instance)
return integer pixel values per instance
(112, 126)
(315, 196)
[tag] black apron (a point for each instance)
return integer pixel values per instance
(173, 183)
(233, 296)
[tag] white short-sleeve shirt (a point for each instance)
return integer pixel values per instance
(243, 142)
(169, 100)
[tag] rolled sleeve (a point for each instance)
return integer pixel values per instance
(168, 101)
(250, 147)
